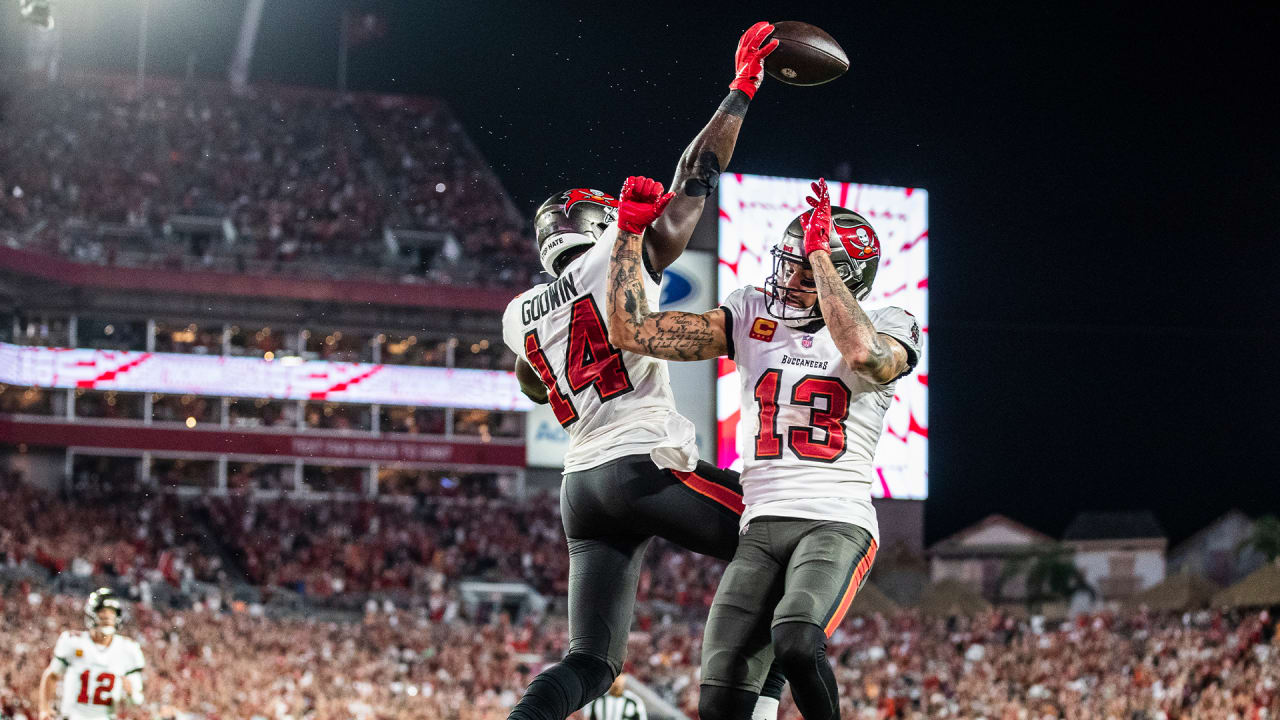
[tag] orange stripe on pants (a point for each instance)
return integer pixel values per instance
(706, 488)
(855, 581)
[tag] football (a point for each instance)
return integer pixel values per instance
(806, 55)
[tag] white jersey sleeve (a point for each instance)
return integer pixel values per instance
(512, 327)
(901, 326)
(134, 664)
(135, 661)
(63, 652)
(739, 321)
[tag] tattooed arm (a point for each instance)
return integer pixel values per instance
(666, 335)
(873, 355)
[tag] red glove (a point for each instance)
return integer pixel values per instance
(749, 60)
(640, 203)
(817, 228)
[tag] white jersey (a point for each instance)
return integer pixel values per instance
(613, 403)
(93, 675)
(811, 424)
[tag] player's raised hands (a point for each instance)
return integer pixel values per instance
(817, 228)
(640, 203)
(749, 60)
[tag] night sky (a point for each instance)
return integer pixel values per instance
(1103, 190)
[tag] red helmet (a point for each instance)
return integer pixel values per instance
(855, 253)
(573, 218)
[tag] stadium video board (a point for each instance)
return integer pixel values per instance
(754, 212)
(288, 378)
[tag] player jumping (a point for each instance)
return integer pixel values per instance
(631, 471)
(819, 372)
(99, 669)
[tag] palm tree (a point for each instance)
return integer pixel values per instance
(1050, 575)
(1264, 538)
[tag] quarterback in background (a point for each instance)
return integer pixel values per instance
(98, 668)
(818, 373)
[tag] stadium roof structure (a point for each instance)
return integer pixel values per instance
(1114, 526)
(952, 597)
(995, 534)
(871, 600)
(1181, 591)
(1260, 589)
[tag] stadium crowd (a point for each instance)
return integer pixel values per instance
(441, 528)
(296, 179)
(226, 660)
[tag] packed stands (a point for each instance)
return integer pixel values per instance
(406, 664)
(189, 175)
(429, 531)
(397, 562)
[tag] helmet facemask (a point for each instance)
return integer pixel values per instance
(99, 600)
(794, 302)
(855, 253)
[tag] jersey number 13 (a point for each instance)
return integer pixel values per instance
(801, 438)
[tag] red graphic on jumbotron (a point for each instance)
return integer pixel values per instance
(339, 387)
(754, 214)
(111, 374)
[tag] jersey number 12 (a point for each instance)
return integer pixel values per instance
(101, 694)
(591, 360)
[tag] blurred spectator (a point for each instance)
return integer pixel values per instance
(262, 412)
(111, 335)
(488, 423)
(337, 346)
(21, 400)
(339, 416)
(110, 405)
(412, 350)
(194, 177)
(224, 660)
(260, 341)
(189, 338)
(412, 420)
(189, 410)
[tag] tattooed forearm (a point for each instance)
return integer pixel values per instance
(667, 335)
(861, 345)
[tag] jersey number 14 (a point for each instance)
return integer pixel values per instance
(591, 360)
(801, 438)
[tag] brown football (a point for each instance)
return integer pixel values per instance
(806, 55)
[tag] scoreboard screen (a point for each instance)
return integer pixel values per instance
(288, 378)
(754, 212)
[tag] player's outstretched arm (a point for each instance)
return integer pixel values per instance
(698, 172)
(871, 354)
(666, 335)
